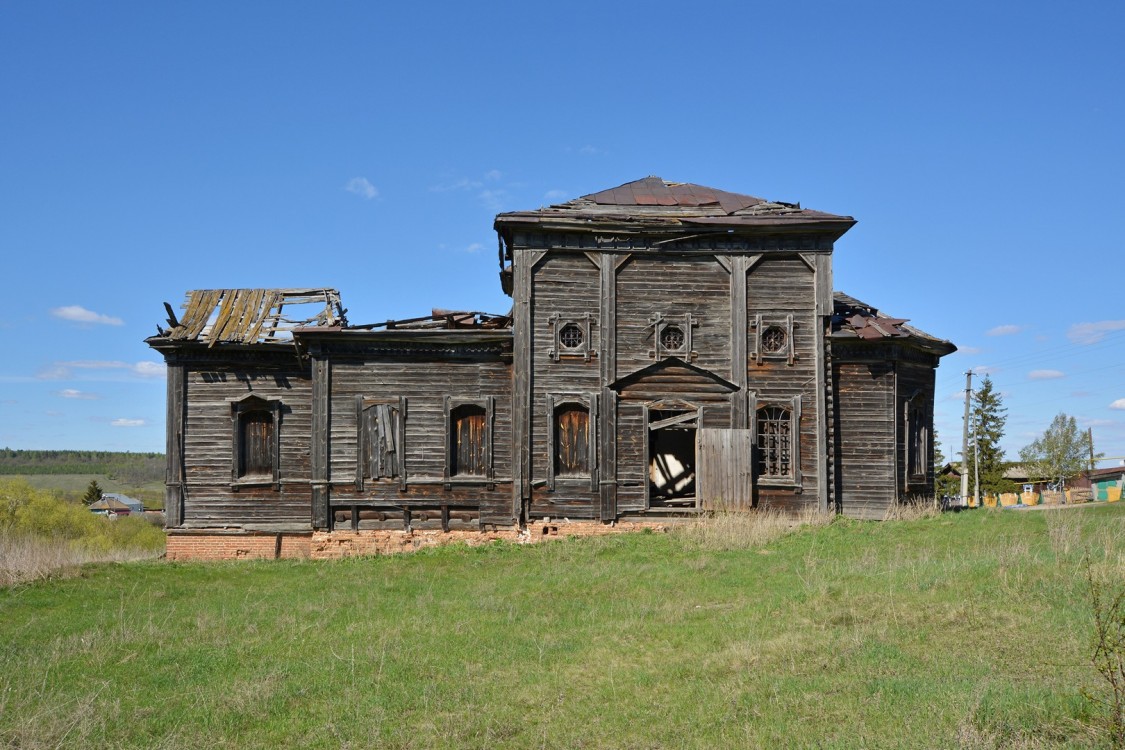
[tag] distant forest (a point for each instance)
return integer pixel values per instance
(131, 468)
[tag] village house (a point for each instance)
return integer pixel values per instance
(671, 349)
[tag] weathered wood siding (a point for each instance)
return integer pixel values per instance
(915, 379)
(565, 287)
(424, 382)
(864, 437)
(780, 288)
(632, 433)
(209, 449)
(673, 286)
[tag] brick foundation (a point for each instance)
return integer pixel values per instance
(332, 545)
(222, 545)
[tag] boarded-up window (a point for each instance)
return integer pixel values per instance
(255, 457)
(917, 442)
(572, 441)
(255, 443)
(379, 439)
(775, 442)
(468, 449)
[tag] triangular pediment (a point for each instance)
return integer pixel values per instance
(678, 375)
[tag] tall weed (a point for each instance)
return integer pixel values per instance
(745, 529)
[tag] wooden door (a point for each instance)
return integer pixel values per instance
(726, 469)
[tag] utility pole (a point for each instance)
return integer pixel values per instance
(976, 470)
(965, 441)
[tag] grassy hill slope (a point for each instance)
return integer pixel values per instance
(960, 631)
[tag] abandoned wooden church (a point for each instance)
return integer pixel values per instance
(671, 349)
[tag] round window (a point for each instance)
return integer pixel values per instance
(672, 338)
(571, 336)
(773, 340)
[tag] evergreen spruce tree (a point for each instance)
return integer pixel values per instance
(944, 486)
(987, 421)
(93, 493)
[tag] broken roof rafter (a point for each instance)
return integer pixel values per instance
(246, 316)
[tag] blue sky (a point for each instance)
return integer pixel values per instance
(151, 148)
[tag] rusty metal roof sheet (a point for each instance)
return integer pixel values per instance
(852, 318)
(439, 319)
(247, 316)
(655, 202)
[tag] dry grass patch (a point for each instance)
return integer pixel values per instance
(746, 529)
(31, 558)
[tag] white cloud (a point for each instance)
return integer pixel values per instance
(64, 370)
(1092, 333)
(78, 314)
(983, 370)
(493, 199)
(1046, 374)
(362, 187)
(127, 423)
(554, 195)
(1118, 404)
(1004, 330)
(968, 350)
(475, 247)
(83, 395)
(493, 174)
(1092, 422)
(148, 369)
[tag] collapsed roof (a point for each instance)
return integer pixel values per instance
(252, 316)
(852, 319)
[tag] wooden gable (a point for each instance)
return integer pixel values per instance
(673, 377)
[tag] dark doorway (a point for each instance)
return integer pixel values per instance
(671, 451)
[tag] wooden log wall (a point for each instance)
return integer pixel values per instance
(865, 437)
(781, 291)
(424, 383)
(565, 287)
(915, 380)
(209, 449)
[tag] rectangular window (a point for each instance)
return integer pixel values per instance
(255, 442)
(379, 439)
(917, 441)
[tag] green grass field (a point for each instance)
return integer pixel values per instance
(969, 630)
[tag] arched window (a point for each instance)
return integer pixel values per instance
(775, 442)
(572, 441)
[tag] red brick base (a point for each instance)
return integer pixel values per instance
(331, 545)
(222, 545)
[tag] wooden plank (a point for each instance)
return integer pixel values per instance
(174, 448)
(725, 469)
(738, 265)
(321, 389)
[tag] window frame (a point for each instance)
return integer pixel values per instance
(488, 404)
(584, 323)
(686, 323)
(915, 425)
(364, 471)
(759, 326)
(589, 401)
(240, 409)
(794, 478)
